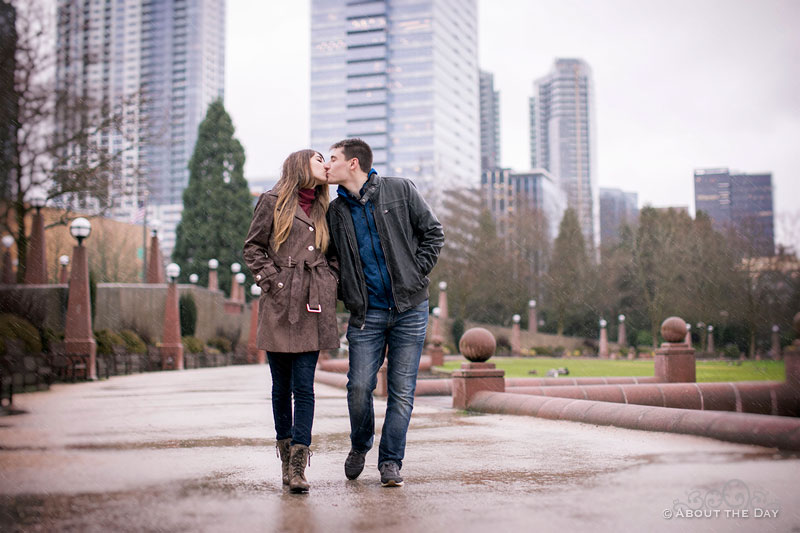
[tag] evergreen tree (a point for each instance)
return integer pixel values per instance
(217, 206)
(569, 272)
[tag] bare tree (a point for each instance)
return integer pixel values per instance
(61, 145)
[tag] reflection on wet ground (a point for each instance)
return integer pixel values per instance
(178, 452)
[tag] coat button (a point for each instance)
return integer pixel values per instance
(311, 228)
(280, 284)
(310, 248)
(258, 277)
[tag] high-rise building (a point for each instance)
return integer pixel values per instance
(403, 76)
(490, 122)
(617, 207)
(508, 193)
(740, 202)
(562, 135)
(161, 64)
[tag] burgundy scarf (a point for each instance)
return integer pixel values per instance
(306, 198)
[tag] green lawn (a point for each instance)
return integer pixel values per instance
(517, 367)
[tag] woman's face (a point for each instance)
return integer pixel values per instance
(318, 172)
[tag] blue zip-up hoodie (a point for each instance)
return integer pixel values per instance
(379, 286)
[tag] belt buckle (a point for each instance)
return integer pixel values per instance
(317, 310)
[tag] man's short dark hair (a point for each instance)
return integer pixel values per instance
(358, 149)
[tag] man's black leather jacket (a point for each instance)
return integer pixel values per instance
(411, 237)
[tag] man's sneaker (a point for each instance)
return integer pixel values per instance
(390, 475)
(354, 464)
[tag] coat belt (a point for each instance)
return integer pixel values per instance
(300, 268)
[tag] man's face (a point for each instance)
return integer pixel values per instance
(337, 167)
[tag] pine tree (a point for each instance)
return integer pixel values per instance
(569, 271)
(217, 206)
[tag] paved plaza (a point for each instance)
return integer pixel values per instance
(194, 451)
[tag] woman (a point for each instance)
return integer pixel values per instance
(285, 250)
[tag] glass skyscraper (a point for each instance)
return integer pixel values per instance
(562, 133)
(159, 62)
(403, 76)
(617, 207)
(490, 122)
(740, 202)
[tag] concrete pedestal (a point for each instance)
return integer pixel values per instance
(675, 363)
(475, 377)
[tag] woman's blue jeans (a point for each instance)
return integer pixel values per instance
(293, 376)
(404, 335)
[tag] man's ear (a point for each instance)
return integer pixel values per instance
(354, 164)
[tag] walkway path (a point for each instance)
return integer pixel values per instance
(194, 451)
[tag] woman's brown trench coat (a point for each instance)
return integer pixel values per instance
(297, 309)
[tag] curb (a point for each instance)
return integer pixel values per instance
(761, 430)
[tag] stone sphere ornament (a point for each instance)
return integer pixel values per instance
(477, 345)
(673, 329)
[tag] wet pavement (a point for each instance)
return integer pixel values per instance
(194, 451)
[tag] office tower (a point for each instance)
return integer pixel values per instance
(508, 193)
(161, 64)
(562, 135)
(617, 207)
(490, 122)
(403, 76)
(739, 202)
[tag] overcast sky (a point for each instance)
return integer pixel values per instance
(679, 85)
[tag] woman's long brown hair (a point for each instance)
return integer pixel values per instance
(296, 175)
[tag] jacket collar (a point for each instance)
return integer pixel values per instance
(368, 190)
(298, 213)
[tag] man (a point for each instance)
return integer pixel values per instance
(387, 241)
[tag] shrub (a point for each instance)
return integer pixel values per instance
(192, 344)
(188, 313)
(16, 327)
(106, 340)
(457, 330)
(49, 337)
(503, 344)
(730, 351)
(543, 350)
(133, 343)
(220, 343)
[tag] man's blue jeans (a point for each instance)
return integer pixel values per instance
(293, 376)
(404, 334)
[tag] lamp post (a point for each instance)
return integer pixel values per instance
(710, 348)
(36, 262)
(78, 339)
(235, 268)
(516, 342)
(701, 327)
(171, 346)
(63, 276)
(8, 267)
(254, 355)
(776, 342)
(435, 349)
(443, 313)
(193, 278)
(603, 350)
(622, 338)
(688, 339)
(213, 284)
(533, 323)
(240, 278)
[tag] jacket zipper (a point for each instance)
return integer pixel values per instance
(388, 270)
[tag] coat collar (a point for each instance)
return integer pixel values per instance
(298, 213)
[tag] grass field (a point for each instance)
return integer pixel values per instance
(518, 367)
